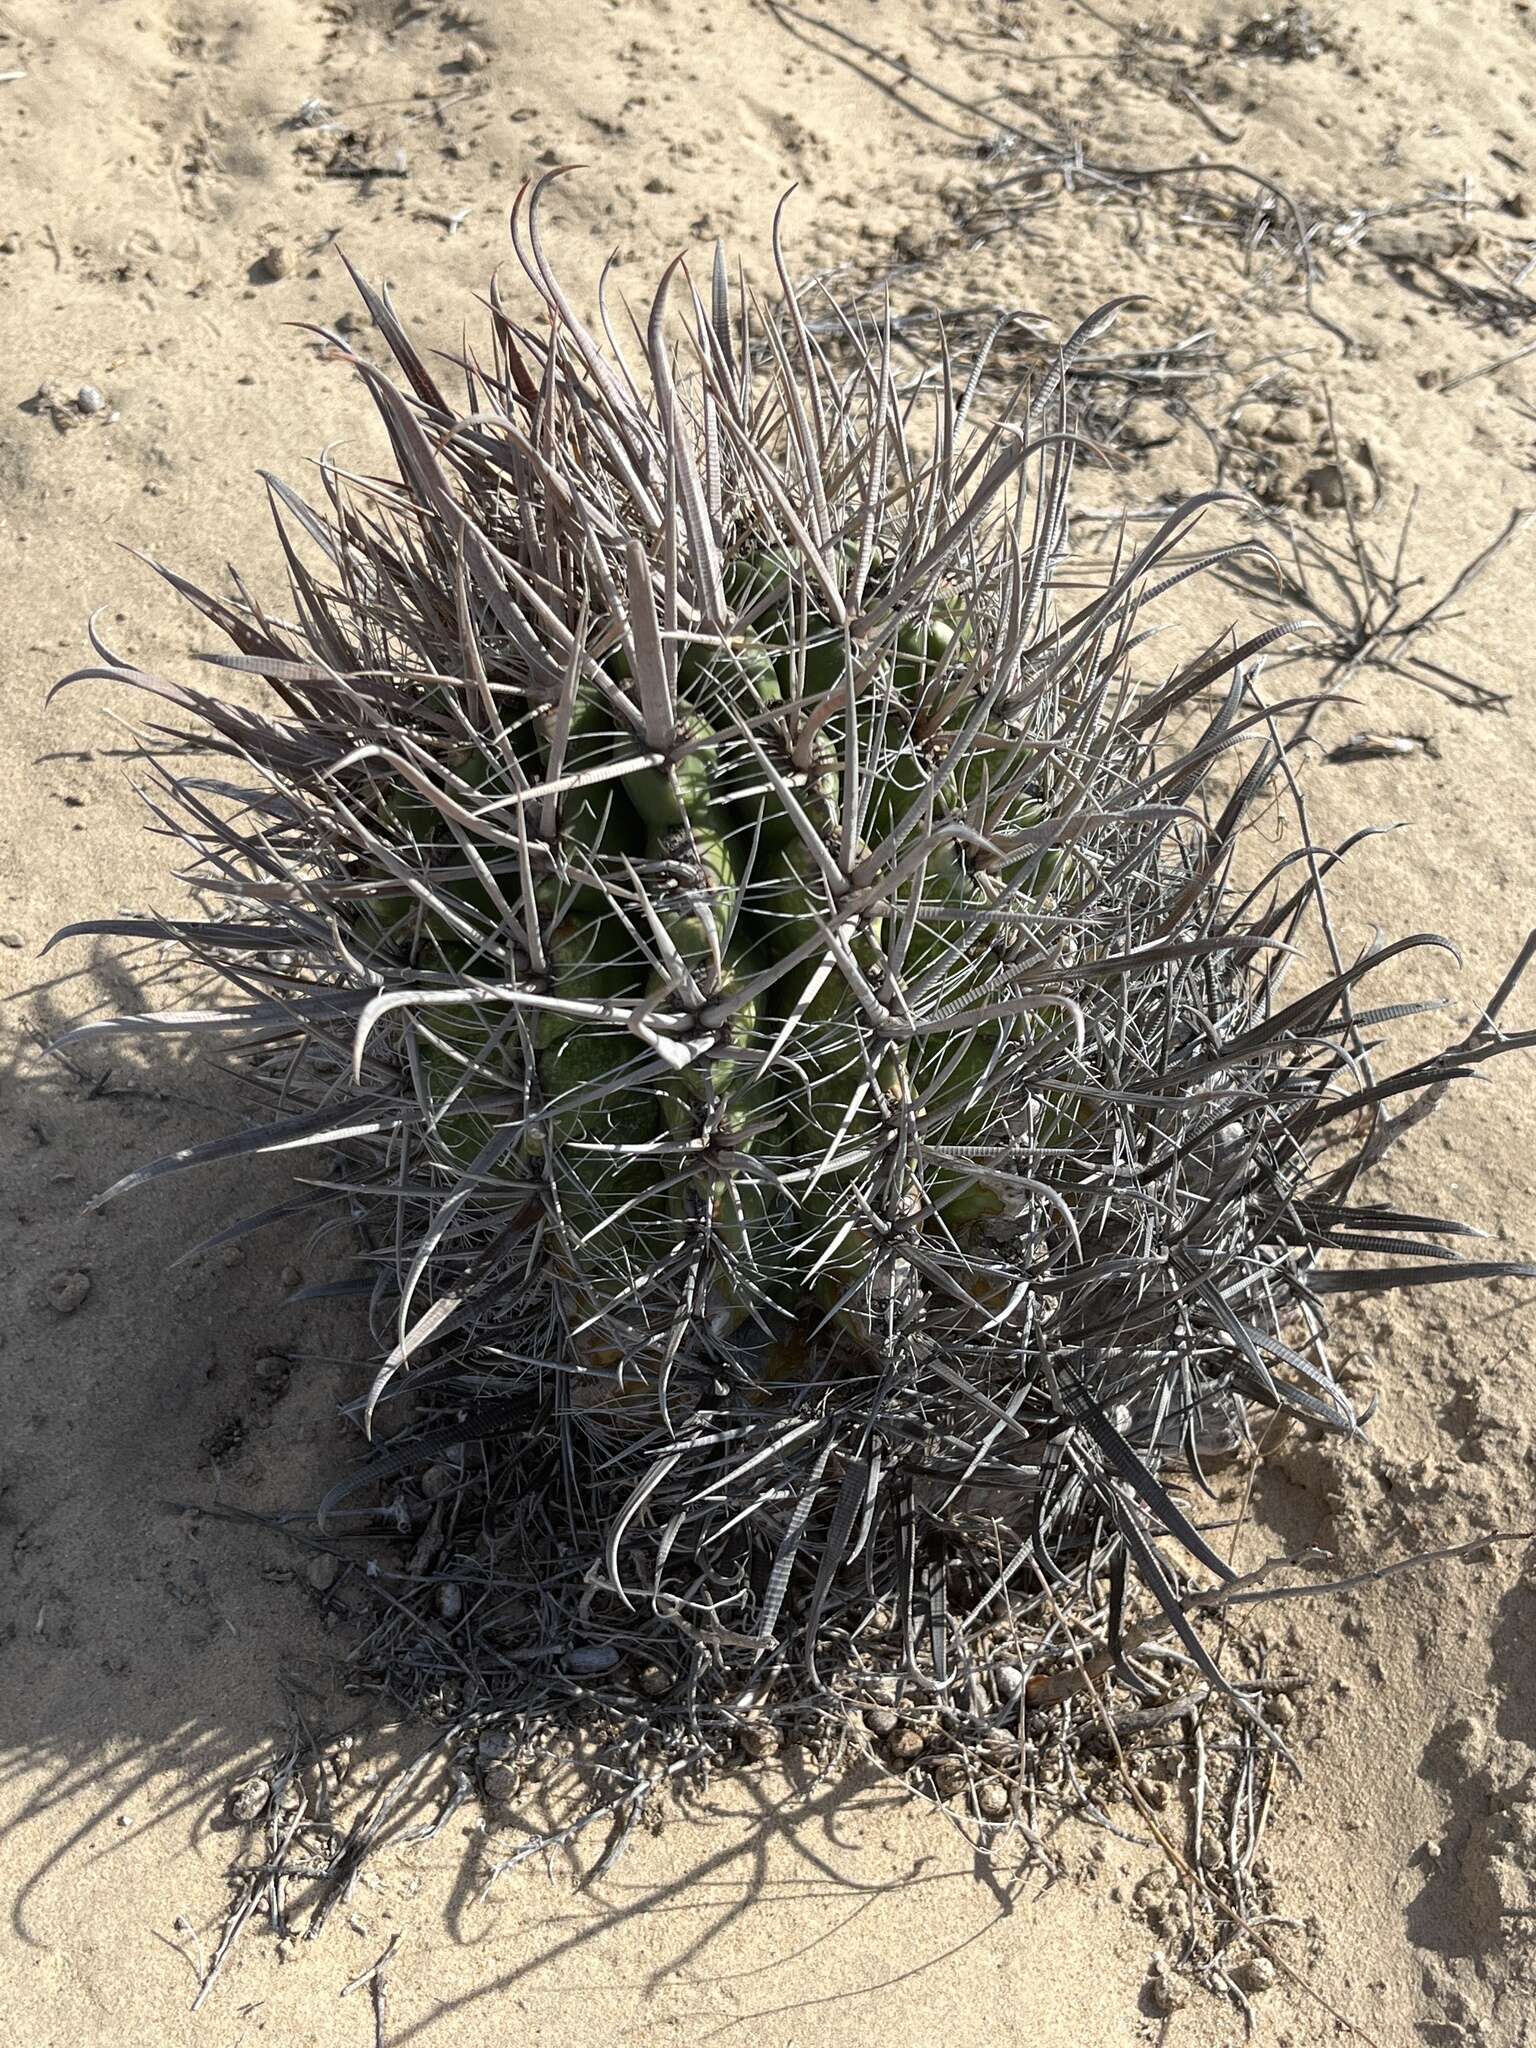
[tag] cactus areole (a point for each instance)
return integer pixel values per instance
(756, 927)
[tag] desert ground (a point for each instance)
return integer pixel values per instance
(175, 181)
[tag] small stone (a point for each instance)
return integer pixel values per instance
(314, 114)
(473, 58)
(450, 1601)
(657, 185)
(1516, 203)
(291, 1277)
(903, 1744)
(66, 1291)
(653, 1681)
(1009, 1680)
(232, 1256)
(993, 1800)
(275, 262)
(9, 244)
(437, 1480)
(89, 400)
(879, 1720)
(501, 1783)
(270, 1368)
(760, 1739)
(1282, 1711)
(324, 1571)
(1254, 1974)
(495, 1744)
(12, 939)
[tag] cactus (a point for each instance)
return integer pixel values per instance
(820, 1105)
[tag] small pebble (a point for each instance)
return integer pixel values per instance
(314, 114)
(879, 1720)
(437, 1480)
(473, 58)
(759, 1739)
(324, 1571)
(89, 399)
(903, 1745)
(9, 244)
(291, 1277)
(1008, 1679)
(495, 1744)
(653, 1681)
(66, 1291)
(12, 939)
(450, 1601)
(275, 262)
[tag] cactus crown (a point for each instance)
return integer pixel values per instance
(814, 1092)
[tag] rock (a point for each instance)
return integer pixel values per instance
(66, 1291)
(324, 1571)
(12, 939)
(495, 1744)
(993, 1800)
(437, 1480)
(450, 1601)
(879, 1720)
(1008, 1679)
(9, 244)
(90, 400)
(473, 58)
(653, 1681)
(903, 1744)
(275, 262)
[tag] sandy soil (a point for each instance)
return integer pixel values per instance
(164, 213)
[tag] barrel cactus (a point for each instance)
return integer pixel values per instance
(778, 971)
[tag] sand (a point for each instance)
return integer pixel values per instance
(165, 213)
